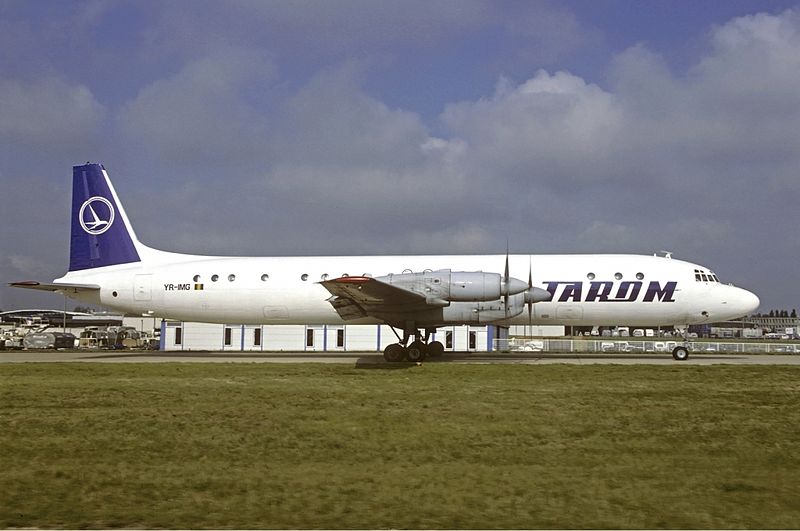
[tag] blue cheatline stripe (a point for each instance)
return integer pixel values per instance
(379, 338)
(242, 338)
(324, 338)
(183, 337)
(162, 341)
(305, 339)
(490, 330)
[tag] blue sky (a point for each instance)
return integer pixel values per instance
(271, 128)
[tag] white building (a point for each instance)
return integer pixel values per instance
(187, 336)
(177, 335)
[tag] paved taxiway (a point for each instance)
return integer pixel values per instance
(375, 359)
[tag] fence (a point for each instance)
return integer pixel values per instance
(639, 346)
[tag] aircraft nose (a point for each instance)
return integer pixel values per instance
(748, 301)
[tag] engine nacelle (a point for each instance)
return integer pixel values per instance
(484, 312)
(469, 287)
(457, 286)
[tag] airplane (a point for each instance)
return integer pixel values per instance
(414, 295)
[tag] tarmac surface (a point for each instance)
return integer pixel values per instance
(376, 359)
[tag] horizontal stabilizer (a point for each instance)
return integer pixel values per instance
(41, 286)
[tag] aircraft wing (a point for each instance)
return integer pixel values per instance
(355, 297)
(41, 286)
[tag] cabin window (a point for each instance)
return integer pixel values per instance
(590, 276)
(228, 334)
(324, 277)
(304, 277)
(231, 278)
(214, 278)
(639, 276)
(618, 276)
(196, 278)
(264, 277)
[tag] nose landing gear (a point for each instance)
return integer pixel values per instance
(681, 352)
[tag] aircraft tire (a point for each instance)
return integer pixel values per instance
(435, 349)
(416, 351)
(394, 353)
(680, 353)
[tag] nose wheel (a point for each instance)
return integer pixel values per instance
(681, 352)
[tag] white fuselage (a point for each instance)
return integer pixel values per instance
(586, 289)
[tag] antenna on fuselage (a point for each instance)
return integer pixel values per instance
(667, 254)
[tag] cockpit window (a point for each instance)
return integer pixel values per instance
(701, 276)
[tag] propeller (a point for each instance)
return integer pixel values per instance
(506, 278)
(530, 301)
(533, 294)
(515, 286)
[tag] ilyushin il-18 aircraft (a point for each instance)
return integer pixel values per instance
(414, 295)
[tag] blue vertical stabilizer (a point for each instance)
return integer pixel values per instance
(100, 232)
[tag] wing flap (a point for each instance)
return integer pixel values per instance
(346, 308)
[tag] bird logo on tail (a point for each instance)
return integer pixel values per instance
(90, 221)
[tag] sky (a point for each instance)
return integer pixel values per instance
(409, 127)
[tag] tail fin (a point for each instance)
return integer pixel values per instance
(101, 233)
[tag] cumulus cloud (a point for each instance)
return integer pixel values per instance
(549, 126)
(49, 112)
(205, 113)
(701, 161)
(324, 30)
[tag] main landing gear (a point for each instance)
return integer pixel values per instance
(417, 351)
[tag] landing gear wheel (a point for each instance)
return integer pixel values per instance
(680, 353)
(416, 351)
(435, 349)
(394, 353)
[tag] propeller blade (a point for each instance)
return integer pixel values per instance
(530, 303)
(505, 283)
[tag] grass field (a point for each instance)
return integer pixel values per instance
(447, 446)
